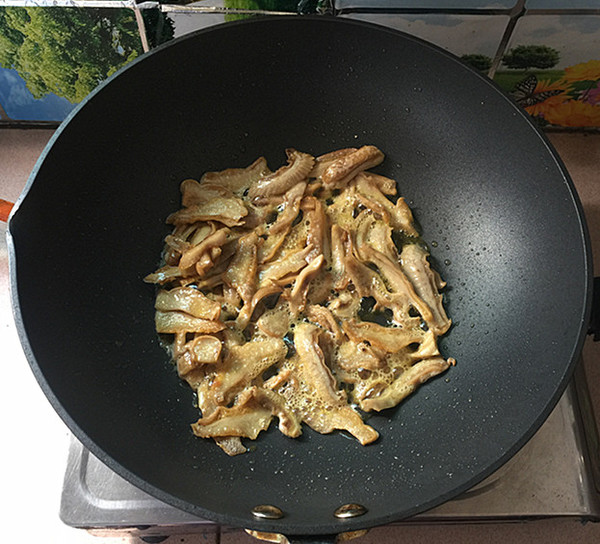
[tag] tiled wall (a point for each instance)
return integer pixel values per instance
(546, 53)
(567, 94)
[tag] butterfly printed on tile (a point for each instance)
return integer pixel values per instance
(525, 94)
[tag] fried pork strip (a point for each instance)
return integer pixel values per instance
(288, 297)
(316, 376)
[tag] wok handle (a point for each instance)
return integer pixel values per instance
(5, 209)
(312, 539)
(305, 539)
(594, 328)
(327, 539)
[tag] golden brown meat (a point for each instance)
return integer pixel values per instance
(302, 295)
(298, 167)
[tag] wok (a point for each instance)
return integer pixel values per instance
(494, 202)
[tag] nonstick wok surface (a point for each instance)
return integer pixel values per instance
(496, 207)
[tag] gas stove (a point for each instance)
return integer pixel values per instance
(556, 474)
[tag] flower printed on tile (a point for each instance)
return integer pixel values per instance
(545, 95)
(591, 95)
(574, 113)
(584, 71)
(572, 100)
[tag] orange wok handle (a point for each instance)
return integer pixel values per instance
(5, 207)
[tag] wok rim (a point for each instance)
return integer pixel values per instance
(280, 526)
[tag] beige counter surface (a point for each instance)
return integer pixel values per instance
(32, 472)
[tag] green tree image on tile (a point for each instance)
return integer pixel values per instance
(478, 61)
(531, 56)
(292, 6)
(69, 51)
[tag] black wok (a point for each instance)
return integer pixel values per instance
(495, 204)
